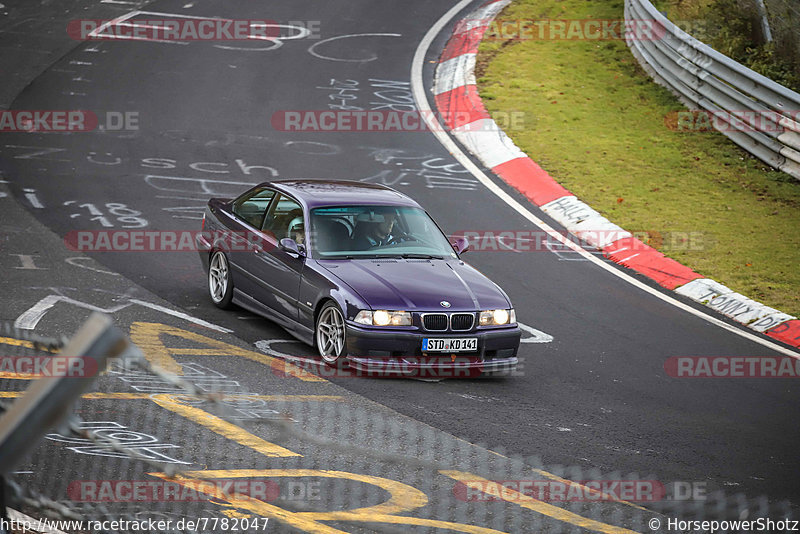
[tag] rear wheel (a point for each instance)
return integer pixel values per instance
(330, 334)
(220, 286)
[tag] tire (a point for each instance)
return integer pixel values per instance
(330, 334)
(220, 285)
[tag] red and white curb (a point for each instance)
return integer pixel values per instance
(463, 113)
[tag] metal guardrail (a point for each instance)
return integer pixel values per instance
(703, 78)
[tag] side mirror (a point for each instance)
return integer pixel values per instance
(460, 245)
(289, 245)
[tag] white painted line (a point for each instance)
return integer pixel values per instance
(421, 97)
(629, 258)
(178, 15)
(31, 317)
(265, 346)
(181, 315)
(33, 199)
(120, 21)
(121, 2)
(534, 336)
(506, 246)
(178, 197)
(135, 38)
(207, 185)
(77, 261)
(99, 29)
(311, 49)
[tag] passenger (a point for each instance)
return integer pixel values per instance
(297, 231)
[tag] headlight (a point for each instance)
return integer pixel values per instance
(383, 318)
(498, 317)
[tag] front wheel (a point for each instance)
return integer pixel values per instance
(220, 286)
(330, 333)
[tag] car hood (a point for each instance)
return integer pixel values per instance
(418, 285)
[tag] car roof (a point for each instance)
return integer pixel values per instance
(317, 193)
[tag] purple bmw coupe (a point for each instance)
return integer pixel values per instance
(361, 272)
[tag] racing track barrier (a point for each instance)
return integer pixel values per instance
(704, 79)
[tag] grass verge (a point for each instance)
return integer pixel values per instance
(598, 124)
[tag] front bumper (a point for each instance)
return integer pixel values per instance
(399, 353)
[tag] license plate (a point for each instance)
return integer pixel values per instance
(446, 344)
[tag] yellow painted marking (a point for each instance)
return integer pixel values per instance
(124, 396)
(19, 376)
(148, 336)
(256, 506)
(137, 396)
(24, 343)
(404, 498)
(199, 352)
(236, 514)
(302, 398)
(525, 501)
(404, 520)
(111, 395)
(599, 493)
(222, 427)
(551, 476)
(288, 398)
(28, 345)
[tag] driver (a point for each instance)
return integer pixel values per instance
(377, 234)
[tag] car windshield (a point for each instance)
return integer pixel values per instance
(351, 232)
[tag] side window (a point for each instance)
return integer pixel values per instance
(252, 206)
(285, 219)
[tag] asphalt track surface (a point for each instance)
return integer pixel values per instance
(596, 396)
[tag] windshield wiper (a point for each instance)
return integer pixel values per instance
(406, 256)
(411, 256)
(352, 257)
